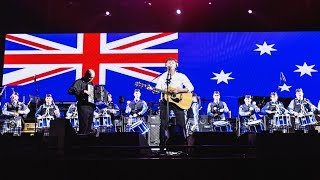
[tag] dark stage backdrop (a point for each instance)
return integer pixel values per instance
(234, 63)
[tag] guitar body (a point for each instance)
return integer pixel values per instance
(182, 100)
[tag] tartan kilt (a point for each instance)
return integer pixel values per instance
(7, 129)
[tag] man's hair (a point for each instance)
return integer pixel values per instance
(273, 94)
(173, 59)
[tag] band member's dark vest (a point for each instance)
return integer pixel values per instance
(14, 108)
(136, 106)
(44, 107)
(299, 104)
(272, 106)
(216, 113)
(246, 108)
(218, 106)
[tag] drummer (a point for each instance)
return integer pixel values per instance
(45, 113)
(247, 112)
(270, 109)
(216, 110)
(112, 108)
(136, 108)
(105, 114)
(301, 107)
(72, 115)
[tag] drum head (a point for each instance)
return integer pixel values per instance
(254, 122)
(220, 123)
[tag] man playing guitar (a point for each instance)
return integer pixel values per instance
(175, 84)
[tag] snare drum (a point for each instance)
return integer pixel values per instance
(308, 119)
(132, 120)
(222, 126)
(106, 120)
(140, 127)
(281, 120)
(255, 125)
(44, 122)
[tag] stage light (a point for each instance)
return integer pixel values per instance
(148, 3)
(250, 11)
(210, 2)
(178, 11)
(107, 13)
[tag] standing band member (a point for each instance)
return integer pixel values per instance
(136, 109)
(83, 89)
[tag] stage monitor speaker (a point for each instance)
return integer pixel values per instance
(212, 144)
(212, 138)
(124, 144)
(288, 146)
(60, 133)
(61, 127)
(204, 125)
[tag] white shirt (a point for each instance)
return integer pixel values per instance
(178, 80)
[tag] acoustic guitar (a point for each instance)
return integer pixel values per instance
(182, 100)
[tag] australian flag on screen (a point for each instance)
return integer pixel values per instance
(234, 63)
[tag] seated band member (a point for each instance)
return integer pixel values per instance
(303, 111)
(272, 108)
(136, 108)
(45, 113)
(216, 111)
(72, 115)
(112, 108)
(247, 113)
(14, 112)
(72, 110)
(107, 112)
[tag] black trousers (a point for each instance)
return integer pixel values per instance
(85, 115)
(180, 120)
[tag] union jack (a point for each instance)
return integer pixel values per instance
(131, 56)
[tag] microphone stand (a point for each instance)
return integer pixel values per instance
(3, 89)
(36, 99)
(168, 81)
(121, 101)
